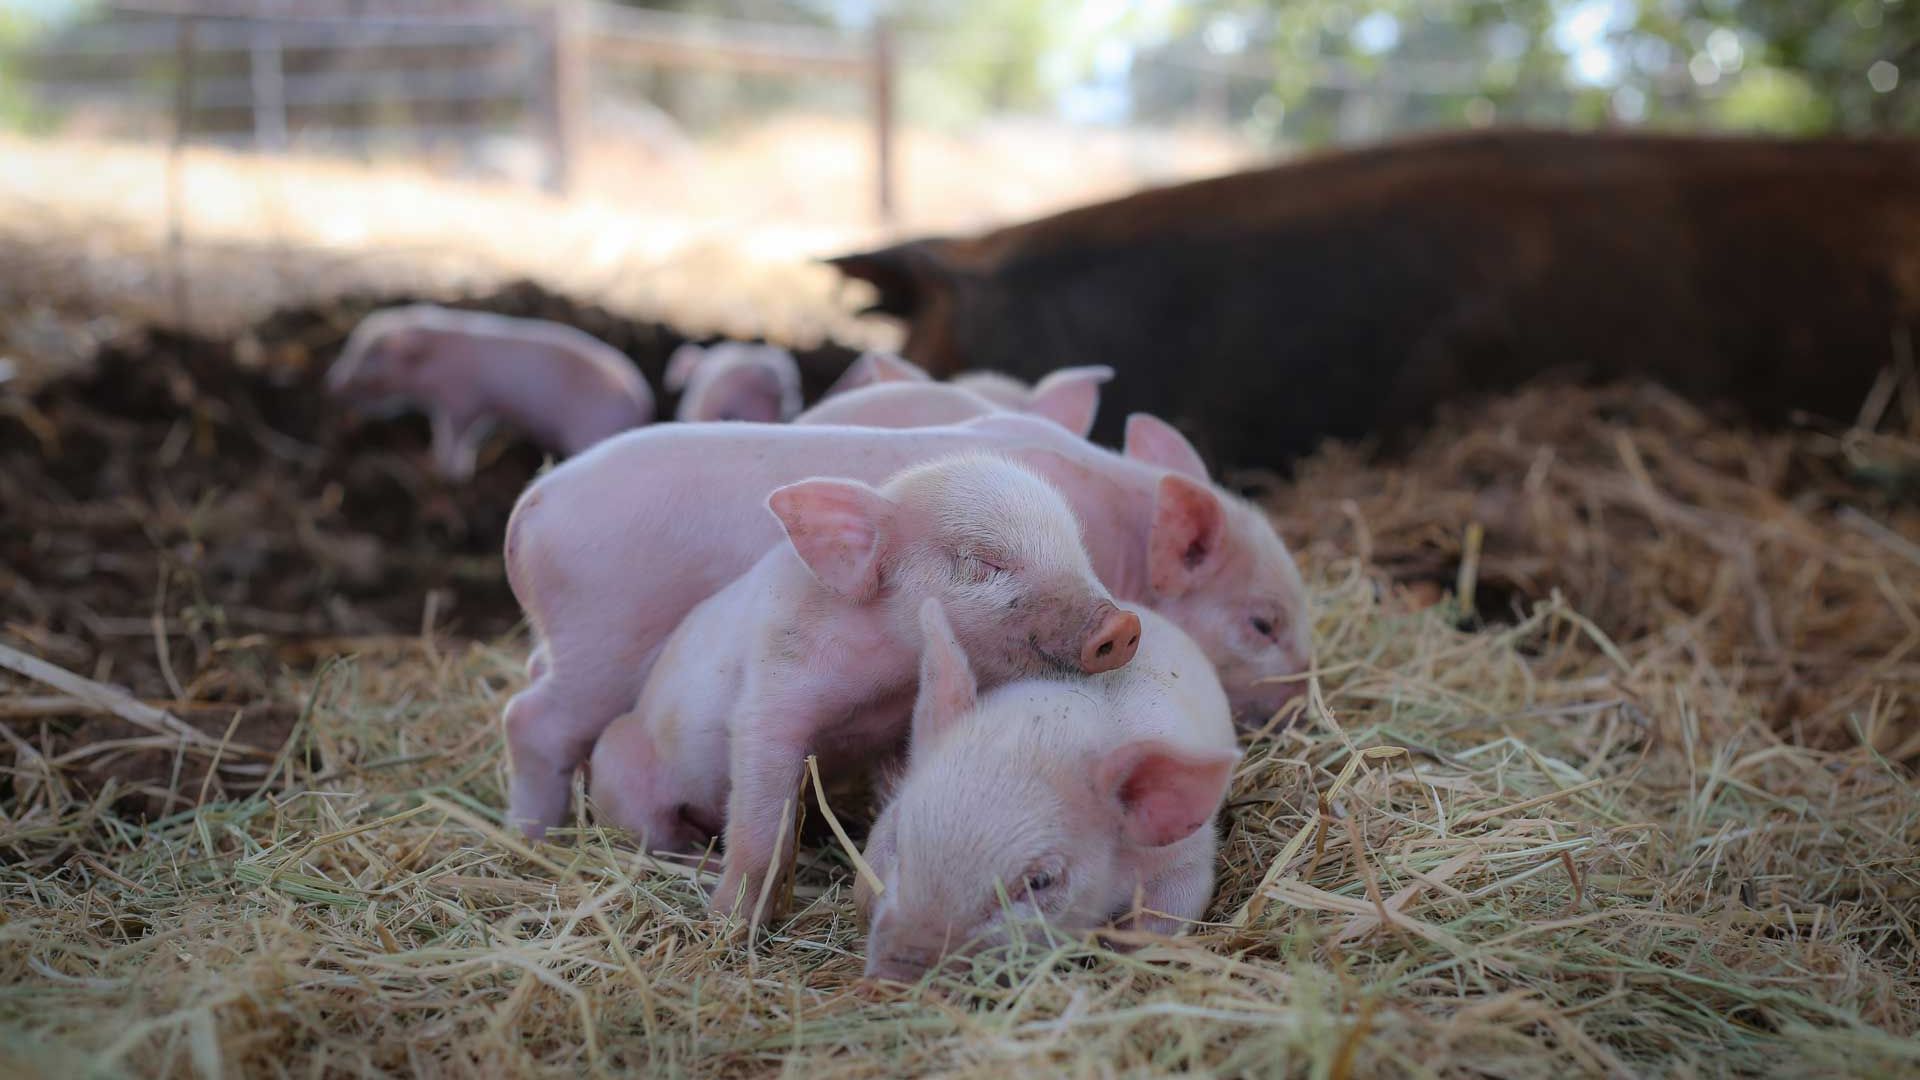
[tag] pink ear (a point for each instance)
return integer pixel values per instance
(947, 687)
(680, 366)
(838, 527)
(1156, 442)
(1189, 525)
(1070, 397)
(1164, 792)
(886, 368)
(876, 367)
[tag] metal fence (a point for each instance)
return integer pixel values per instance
(360, 74)
(251, 74)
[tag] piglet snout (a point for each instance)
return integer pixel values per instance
(1115, 636)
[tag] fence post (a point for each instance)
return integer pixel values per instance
(176, 180)
(269, 86)
(883, 89)
(561, 90)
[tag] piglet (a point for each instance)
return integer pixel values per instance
(733, 380)
(815, 650)
(468, 369)
(1078, 804)
(1069, 397)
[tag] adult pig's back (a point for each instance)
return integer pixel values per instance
(1345, 294)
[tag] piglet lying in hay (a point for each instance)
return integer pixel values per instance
(1069, 397)
(469, 369)
(1070, 804)
(815, 649)
(734, 381)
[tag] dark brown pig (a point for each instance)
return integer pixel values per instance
(1345, 294)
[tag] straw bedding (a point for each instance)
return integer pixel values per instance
(1606, 769)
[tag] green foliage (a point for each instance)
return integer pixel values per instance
(1776, 100)
(1361, 68)
(981, 56)
(17, 109)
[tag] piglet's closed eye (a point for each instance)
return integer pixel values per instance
(1163, 792)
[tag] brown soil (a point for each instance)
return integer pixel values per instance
(205, 494)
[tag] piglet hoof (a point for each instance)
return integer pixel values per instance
(737, 894)
(728, 896)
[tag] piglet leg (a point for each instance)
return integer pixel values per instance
(582, 684)
(457, 438)
(766, 766)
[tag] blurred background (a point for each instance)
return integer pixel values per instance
(207, 160)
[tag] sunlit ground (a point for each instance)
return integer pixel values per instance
(718, 236)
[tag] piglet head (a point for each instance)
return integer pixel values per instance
(1001, 550)
(382, 361)
(734, 381)
(1216, 567)
(994, 543)
(1010, 820)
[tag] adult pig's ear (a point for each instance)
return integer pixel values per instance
(839, 529)
(1189, 529)
(1152, 440)
(1163, 792)
(680, 367)
(900, 274)
(1070, 396)
(947, 687)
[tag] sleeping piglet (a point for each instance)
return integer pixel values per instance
(468, 369)
(1078, 804)
(815, 650)
(733, 380)
(1069, 397)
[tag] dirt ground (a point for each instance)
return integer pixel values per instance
(188, 513)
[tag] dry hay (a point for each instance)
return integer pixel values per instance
(1642, 803)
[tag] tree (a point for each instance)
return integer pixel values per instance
(1340, 70)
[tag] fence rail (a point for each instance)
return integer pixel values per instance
(205, 62)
